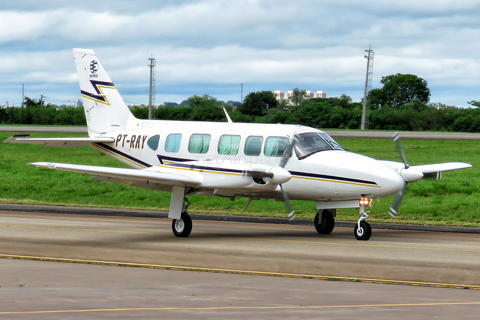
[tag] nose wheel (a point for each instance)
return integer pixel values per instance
(363, 230)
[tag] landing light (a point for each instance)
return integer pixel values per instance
(365, 202)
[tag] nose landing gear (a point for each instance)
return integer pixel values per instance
(363, 230)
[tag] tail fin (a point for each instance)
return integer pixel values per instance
(105, 109)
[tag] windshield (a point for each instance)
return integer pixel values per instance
(312, 142)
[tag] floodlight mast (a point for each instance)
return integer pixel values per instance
(368, 86)
(151, 97)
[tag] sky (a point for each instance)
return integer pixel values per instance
(213, 46)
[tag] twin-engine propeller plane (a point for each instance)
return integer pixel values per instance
(255, 161)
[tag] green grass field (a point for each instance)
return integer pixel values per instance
(451, 201)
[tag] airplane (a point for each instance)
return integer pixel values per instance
(226, 159)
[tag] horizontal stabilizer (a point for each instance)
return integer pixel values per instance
(58, 142)
(122, 175)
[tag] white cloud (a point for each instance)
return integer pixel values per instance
(265, 44)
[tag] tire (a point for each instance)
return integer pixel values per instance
(182, 227)
(364, 232)
(327, 224)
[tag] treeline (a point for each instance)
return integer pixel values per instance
(42, 115)
(335, 113)
(262, 107)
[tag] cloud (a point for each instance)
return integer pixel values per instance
(264, 44)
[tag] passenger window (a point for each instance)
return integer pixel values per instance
(173, 142)
(199, 143)
(153, 142)
(276, 146)
(228, 144)
(253, 146)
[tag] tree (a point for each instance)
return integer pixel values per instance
(203, 101)
(298, 98)
(398, 90)
(474, 103)
(258, 103)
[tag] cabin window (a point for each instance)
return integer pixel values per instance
(153, 142)
(199, 143)
(228, 144)
(275, 146)
(173, 142)
(253, 146)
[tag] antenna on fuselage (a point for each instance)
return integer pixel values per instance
(228, 117)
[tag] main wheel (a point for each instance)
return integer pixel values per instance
(364, 232)
(183, 226)
(327, 224)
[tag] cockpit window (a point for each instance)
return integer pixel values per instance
(330, 141)
(312, 142)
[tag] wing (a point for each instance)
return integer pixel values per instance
(57, 142)
(429, 170)
(149, 176)
(440, 167)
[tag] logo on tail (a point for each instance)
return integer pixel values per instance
(93, 69)
(98, 86)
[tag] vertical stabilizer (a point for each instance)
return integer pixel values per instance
(105, 109)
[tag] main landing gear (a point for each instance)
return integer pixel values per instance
(363, 230)
(183, 226)
(324, 221)
(182, 222)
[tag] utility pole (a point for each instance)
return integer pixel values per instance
(23, 94)
(241, 92)
(151, 97)
(368, 86)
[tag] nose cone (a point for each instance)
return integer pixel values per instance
(280, 175)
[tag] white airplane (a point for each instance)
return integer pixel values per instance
(255, 161)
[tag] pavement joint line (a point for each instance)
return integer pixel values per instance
(245, 272)
(380, 305)
(252, 239)
(78, 229)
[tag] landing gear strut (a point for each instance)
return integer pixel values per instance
(324, 221)
(183, 227)
(363, 230)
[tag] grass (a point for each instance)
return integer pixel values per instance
(451, 201)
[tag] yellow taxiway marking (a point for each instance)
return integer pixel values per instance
(77, 229)
(245, 272)
(369, 245)
(347, 306)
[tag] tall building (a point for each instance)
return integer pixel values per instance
(280, 96)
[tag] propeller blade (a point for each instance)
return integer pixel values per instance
(396, 138)
(398, 199)
(288, 206)
(287, 154)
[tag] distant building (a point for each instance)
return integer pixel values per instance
(232, 103)
(280, 96)
(78, 103)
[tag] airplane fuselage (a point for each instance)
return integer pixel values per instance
(199, 148)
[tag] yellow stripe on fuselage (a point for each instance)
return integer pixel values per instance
(338, 181)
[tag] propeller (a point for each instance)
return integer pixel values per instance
(283, 162)
(408, 174)
(277, 175)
